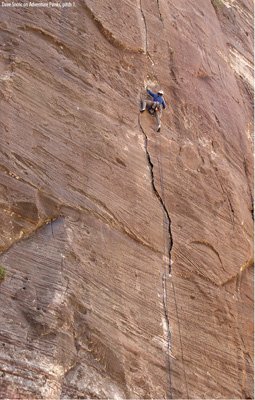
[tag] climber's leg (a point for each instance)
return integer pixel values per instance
(158, 118)
(142, 105)
(146, 104)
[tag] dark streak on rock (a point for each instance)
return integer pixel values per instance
(249, 188)
(160, 15)
(145, 26)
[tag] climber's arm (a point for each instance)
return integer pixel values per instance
(150, 93)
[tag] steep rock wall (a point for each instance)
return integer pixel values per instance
(128, 254)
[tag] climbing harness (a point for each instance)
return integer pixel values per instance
(154, 108)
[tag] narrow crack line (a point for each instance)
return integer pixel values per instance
(159, 197)
(164, 288)
(167, 216)
(170, 265)
(229, 204)
(146, 33)
(179, 329)
(52, 231)
(168, 339)
(160, 15)
(145, 26)
(249, 188)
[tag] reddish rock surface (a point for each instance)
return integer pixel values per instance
(128, 254)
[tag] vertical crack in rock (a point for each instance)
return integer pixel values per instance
(167, 223)
(249, 188)
(160, 15)
(52, 231)
(145, 26)
(167, 331)
(145, 31)
(180, 336)
(166, 324)
(164, 278)
(159, 197)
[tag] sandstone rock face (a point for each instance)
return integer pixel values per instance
(128, 254)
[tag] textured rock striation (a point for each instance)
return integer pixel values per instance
(128, 254)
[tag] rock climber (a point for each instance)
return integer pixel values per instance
(155, 106)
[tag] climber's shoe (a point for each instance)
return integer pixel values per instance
(158, 130)
(142, 106)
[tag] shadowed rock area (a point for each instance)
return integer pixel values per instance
(128, 254)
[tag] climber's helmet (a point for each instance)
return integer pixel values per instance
(160, 92)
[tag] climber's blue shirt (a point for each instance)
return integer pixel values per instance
(157, 97)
